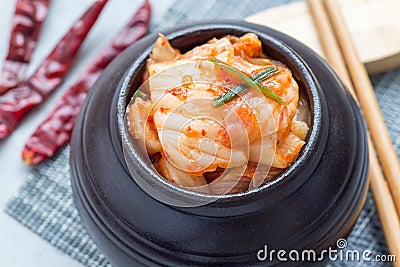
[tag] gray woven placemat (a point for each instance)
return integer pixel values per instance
(44, 202)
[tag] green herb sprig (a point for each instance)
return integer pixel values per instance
(140, 94)
(253, 82)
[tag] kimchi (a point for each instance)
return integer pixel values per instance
(220, 118)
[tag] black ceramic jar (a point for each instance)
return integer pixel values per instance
(309, 206)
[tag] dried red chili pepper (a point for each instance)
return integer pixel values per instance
(19, 101)
(27, 22)
(55, 131)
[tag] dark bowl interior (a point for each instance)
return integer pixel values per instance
(185, 40)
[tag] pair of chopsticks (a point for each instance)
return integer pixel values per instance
(341, 55)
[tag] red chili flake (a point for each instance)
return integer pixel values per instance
(55, 131)
(150, 119)
(163, 109)
(191, 133)
(224, 138)
(203, 133)
(26, 26)
(179, 92)
(16, 103)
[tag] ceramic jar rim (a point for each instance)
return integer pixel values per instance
(292, 60)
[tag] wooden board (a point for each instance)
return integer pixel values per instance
(374, 25)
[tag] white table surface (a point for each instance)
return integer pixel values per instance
(19, 246)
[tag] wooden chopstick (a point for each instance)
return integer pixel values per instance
(380, 190)
(366, 96)
(329, 44)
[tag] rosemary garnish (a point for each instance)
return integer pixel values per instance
(228, 96)
(265, 74)
(249, 82)
(239, 89)
(140, 94)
